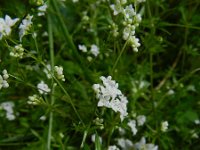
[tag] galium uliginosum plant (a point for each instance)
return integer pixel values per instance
(104, 74)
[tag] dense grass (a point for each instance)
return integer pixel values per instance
(161, 81)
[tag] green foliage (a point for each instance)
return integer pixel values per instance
(161, 81)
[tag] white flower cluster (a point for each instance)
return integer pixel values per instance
(34, 100)
(43, 88)
(8, 107)
(164, 126)
(113, 147)
(58, 71)
(141, 119)
(42, 9)
(142, 145)
(131, 21)
(47, 71)
(5, 25)
(17, 51)
(3, 79)
(111, 97)
(94, 50)
(125, 144)
(25, 26)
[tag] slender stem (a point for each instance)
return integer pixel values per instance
(70, 100)
(119, 56)
(36, 44)
(51, 47)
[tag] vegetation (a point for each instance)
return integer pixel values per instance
(99, 74)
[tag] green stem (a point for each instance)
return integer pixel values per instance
(119, 56)
(36, 45)
(51, 47)
(69, 40)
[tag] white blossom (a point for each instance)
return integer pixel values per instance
(111, 97)
(34, 100)
(129, 13)
(141, 145)
(164, 126)
(113, 147)
(75, 1)
(197, 122)
(128, 31)
(141, 119)
(42, 10)
(114, 30)
(134, 43)
(47, 71)
(94, 50)
(5, 25)
(93, 138)
(82, 48)
(17, 51)
(3, 79)
(24, 27)
(43, 88)
(8, 107)
(132, 125)
(125, 144)
(43, 118)
(117, 8)
(59, 72)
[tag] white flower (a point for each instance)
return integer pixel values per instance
(83, 48)
(164, 126)
(128, 31)
(59, 72)
(137, 20)
(141, 119)
(110, 96)
(34, 100)
(132, 125)
(194, 134)
(114, 30)
(125, 144)
(197, 121)
(129, 13)
(170, 92)
(5, 74)
(113, 147)
(121, 131)
(43, 88)
(17, 51)
(24, 27)
(94, 50)
(93, 138)
(47, 71)
(75, 1)
(117, 8)
(134, 43)
(5, 25)
(42, 10)
(3, 79)
(141, 145)
(43, 118)
(8, 107)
